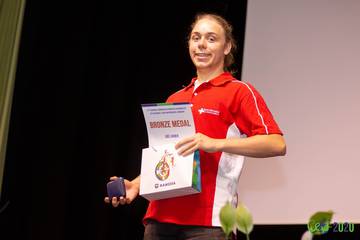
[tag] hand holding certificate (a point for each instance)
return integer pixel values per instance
(164, 173)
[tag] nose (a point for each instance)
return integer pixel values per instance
(202, 43)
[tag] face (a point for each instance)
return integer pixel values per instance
(207, 45)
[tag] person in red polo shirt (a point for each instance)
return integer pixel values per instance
(232, 121)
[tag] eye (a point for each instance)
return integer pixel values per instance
(211, 39)
(195, 38)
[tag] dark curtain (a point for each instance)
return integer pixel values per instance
(84, 69)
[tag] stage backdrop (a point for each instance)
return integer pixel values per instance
(304, 57)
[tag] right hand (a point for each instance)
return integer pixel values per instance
(132, 190)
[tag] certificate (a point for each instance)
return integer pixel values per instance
(168, 123)
(164, 173)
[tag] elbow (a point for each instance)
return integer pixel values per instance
(280, 147)
(281, 151)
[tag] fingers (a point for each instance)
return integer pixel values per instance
(115, 202)
(188, 149)
(184, 141)
(122, 200)
(113, 178)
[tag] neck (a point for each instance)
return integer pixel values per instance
(204, 75)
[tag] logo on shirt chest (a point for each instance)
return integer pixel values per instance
(209, 111)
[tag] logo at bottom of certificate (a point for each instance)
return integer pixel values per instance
(162, 169)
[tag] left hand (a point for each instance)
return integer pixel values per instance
(132, 190)
(189, 145)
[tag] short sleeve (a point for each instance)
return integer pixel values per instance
(252, 116)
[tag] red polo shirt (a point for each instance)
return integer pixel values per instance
(222, 107)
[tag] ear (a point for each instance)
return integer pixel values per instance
(227, 48)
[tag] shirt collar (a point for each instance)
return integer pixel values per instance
(217, 81)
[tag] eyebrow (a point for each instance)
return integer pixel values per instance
(208, 33)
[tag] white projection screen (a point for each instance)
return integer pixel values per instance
(304, 58)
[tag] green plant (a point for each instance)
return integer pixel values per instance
(240, 218)
(319, 223)
(236, 218)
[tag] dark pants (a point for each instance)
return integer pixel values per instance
(167, 231)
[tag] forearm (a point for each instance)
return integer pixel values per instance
(258, 146)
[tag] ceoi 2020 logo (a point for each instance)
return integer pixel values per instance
(323, 227)
(162, 169)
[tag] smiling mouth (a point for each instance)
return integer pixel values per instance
(202, 54)
(202, 57)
